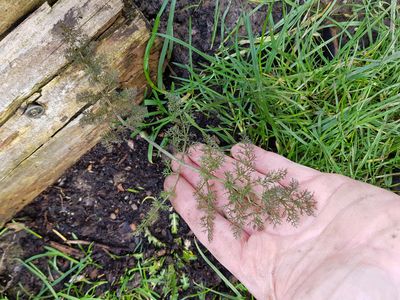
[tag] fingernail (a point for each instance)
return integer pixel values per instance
(196, 151)
(238, 149)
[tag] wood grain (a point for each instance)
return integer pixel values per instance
(35, 152)
(33, 53)
(12, 10)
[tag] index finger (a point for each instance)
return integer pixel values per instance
(266, 161)
(226, 248)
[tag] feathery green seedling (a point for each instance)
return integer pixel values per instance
(274, 201)
(278, 201)
(174, 223)
(114, 102)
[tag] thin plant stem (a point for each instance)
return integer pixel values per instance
(166, 153)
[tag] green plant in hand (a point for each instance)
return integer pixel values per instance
(278, 201)
(274, 201)
(251, 200)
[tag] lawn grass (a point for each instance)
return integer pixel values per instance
(332, 103)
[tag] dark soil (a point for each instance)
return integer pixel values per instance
(91, 201)
(202, 14)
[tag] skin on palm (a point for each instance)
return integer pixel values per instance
(348, 249)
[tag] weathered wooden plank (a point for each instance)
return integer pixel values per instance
(33, 53)
(38, 172)
(12, 10)
(20, 136)
(35, 152)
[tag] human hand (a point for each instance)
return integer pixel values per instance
(350, 249)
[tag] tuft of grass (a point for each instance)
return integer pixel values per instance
(233, 288)
(57, 283)
(150, 278)
(328, 101)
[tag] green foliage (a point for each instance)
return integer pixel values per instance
(329, 102)
(179, 133)
(153, 214)
(174, 222)
(53, 276)
(278, 200)
(205, 195)
(252, 200)
(152, 239)
(150, 278)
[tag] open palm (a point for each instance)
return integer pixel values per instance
(350, 249)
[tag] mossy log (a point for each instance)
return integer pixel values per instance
(40, 130)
